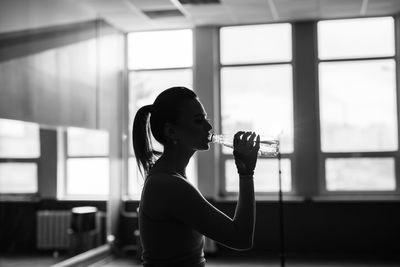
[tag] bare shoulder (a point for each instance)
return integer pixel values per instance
(165, 180)
(161, 190)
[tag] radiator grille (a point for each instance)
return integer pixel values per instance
(52, 229)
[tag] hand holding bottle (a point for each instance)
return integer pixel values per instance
(245, 151)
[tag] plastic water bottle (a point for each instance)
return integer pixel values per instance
(269, 147)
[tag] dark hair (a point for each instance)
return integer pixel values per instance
(151, 119)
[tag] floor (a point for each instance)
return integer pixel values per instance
(31, 260)
(257, 261)
(44, 260)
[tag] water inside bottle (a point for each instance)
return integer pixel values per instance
(269, 147)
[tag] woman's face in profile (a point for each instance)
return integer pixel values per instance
(194, 128)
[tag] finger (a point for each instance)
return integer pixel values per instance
(257, 145)
(245, 137)
(251, 140)
(247, 143)
(236, 138)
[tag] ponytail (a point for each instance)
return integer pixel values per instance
(141, 139)
(166, 108)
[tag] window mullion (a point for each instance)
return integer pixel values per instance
(397, 60)
(305, 110)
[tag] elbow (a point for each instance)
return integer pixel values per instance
(247, 244)
(243, 244)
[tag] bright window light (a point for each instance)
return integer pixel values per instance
(87, 177)
(18, 178)
(87, 142)
(360, 174)
(160, 49)
(266, 176)
(19, 139)
(256, 43)
(358, 106)
(356, 38)
(258, 98)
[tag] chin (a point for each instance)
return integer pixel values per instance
(204, 147)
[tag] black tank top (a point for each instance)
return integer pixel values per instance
(169, 242)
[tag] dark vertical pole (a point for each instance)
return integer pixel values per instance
(281, 217)
(397, 60)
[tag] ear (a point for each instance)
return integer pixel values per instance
(170, 132)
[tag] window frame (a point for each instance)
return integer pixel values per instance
(36, 161)
(62, 181)
(222, 192)
(323, 156)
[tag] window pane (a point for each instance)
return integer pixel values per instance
(160, 49)
(256, 43)
(355, 38)
(85, 142)
(258, 98)
(266, 177)
(364, 174)
(144, 87)
(19, 139)
(358, 106)
(18, 178)
(87, 176)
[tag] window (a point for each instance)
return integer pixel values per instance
(156, 64)
(19, 156)
(257, 95)
(358, 107)
(87, 164)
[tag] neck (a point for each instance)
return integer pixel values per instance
(174, 160)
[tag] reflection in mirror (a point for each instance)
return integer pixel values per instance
(45, 212)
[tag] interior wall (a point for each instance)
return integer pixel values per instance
(60, 76)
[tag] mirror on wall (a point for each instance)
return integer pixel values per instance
(54, 186)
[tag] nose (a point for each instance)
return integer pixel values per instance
(209, 126)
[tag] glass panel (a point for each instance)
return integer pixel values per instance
(360, 174)
(266, 177)
(256, 43)
(145, 86)
(85, 142)
(258, 98)
(358, 106)
(19, 139)
(355, 38)
(87, 176)
(160, 49)
(18, 178)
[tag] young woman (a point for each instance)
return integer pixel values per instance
(173, 215)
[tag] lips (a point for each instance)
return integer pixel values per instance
(209, 137)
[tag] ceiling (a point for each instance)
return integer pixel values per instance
(135, 15)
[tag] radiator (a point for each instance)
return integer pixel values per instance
(52, 229)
